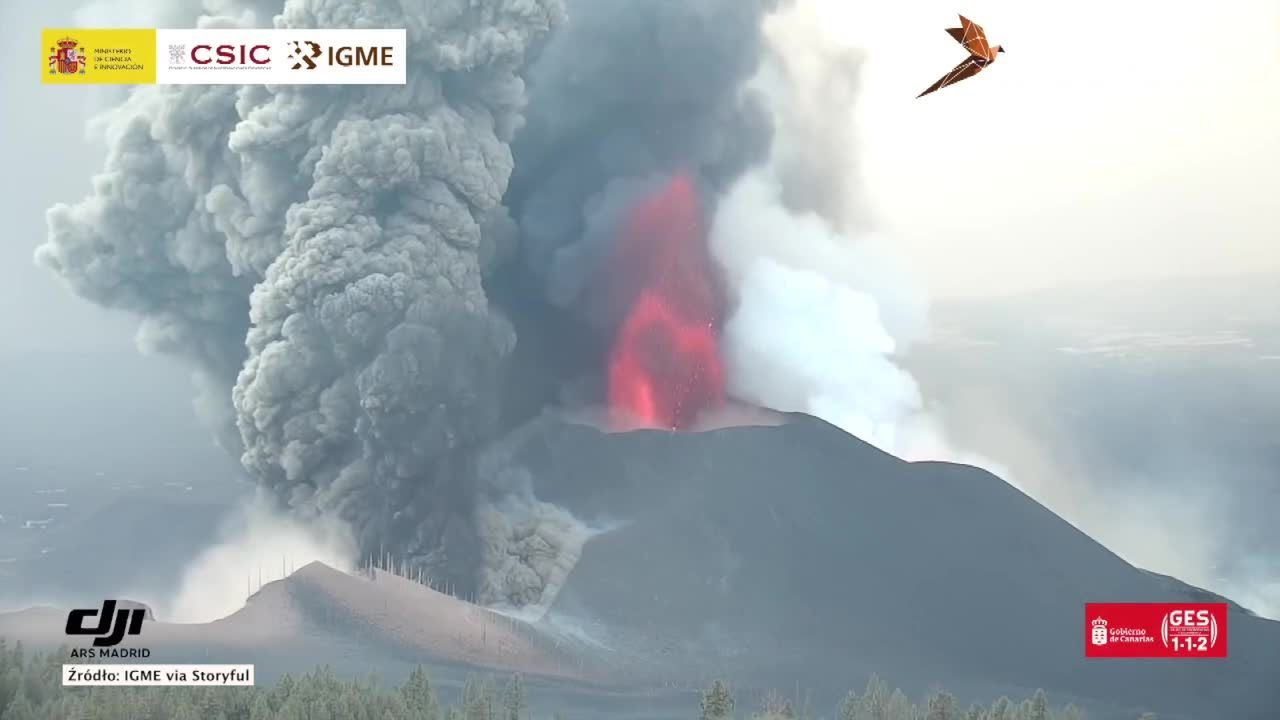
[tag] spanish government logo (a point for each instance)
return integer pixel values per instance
(85, 56)
(67, 58)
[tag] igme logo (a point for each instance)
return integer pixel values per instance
(112, 625)
(306, 56)
(305, 53)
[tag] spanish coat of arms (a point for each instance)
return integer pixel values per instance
(67, 58)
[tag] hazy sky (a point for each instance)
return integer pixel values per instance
(47, 160)
(1111, 140)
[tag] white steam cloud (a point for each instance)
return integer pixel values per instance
(823, 306)
(258, 545)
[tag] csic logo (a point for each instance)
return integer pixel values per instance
(112, 625)
(228, 54)
(304, 55)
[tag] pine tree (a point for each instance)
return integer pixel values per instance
(189, 711)
(6, 690)
(899, 707)
(20, 708)
(850, 706)
(775, 707)
(875, 699)
(1071, 712)
(717, 702)
(1147, 716)
(1040, 705)
(10, 681)
(419, 696)
(976, 712)
(942, 706)
(261, 709)
(514, 698)
(1001, 709)
(293, 708)
(35, 685)
(476, 700)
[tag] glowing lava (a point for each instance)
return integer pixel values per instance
(665, 367)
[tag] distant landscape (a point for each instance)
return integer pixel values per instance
(1166, 386)
(105, 452)
(1143, 413)
(1147, 428)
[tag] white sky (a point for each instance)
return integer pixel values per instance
(1114, 139)
(1111, 139)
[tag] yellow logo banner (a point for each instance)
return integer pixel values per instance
(92, 56)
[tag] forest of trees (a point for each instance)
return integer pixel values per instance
(879, 702)
(31, 689)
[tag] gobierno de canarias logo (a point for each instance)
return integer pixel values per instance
(1156, 630)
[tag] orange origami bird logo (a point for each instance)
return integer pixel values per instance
(981, 54)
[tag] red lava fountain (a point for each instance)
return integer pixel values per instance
(664, 366)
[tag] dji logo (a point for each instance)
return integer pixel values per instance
(112, 625)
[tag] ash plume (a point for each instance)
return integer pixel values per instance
(529, 546)
(626, 95)
(317, 253)
(375, 283)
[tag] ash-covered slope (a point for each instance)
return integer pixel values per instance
(370, 622)
(798, 554)
(361, 622)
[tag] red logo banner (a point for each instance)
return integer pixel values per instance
(1155, 630)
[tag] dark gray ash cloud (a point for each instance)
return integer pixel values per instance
(328, 258)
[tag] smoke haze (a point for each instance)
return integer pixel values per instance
(257, 546)
(354, 272)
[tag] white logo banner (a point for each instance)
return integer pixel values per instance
(225, 56)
